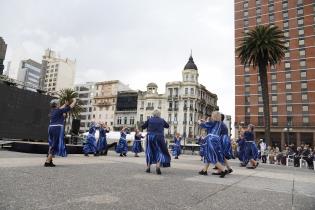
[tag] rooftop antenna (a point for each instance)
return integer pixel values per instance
(190, 52)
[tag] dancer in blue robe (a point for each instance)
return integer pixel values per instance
(226, 145)
(176, 148)
(137, 146)
(251, 151)
(90, 146)
(156, 151)
(213, 149)
(102, 142)
(202, 144)
(241, 151)
(122, 146)
(56, 130)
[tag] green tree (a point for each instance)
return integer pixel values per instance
(262, 47)
(68, 95)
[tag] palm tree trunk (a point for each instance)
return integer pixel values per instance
(265, 96)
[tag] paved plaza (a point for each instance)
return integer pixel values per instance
(112, 182)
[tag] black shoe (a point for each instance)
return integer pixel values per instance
(158, 171)
(86, 155)
(230, 170)
(215, 168)
(125, 154)
(136, 155)
(216, 173)
(148, 170)
(49, 164)
(96, 154)
(223, 173)
(202, 172)
(176, 158)
(256, 165)
(121, 155)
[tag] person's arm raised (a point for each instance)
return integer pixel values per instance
(74, 101)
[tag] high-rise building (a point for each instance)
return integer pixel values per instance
(58, 73)
(30, 74)
(3, 49)
(291, 83)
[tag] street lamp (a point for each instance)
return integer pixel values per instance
(288, 130)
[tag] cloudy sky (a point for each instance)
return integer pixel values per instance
(135, 41)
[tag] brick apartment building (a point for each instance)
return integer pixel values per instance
(291, 83)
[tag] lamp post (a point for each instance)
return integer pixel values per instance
(288, 129)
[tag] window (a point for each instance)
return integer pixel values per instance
(304, 85)
(302, 64)
(191, 117)
(260, 99)
(258, 20)
(289, 109)
(287, 65)
(125, 120)
(247, 99)
(274, 109)
(192, 92)
(302, 53)
(285, 15)
(119, 120)
(304, 96)
(303, 74)
(247, 89)
(288, 75)
(245, 5)
(259, 88)
(260, 109)
(245, 14)
(286, 34)
(305, 120)
(246, 23)
(301, 42)
(247, 79)
(246, 69)
(300, 11)
(141, 117)
(286, 24)
(285, 5)
(186, 91)
(132, 120)
(289, 97)
(273, 76)
(274, 120)
(301, 32)
(300, 21)
(288, 86)
(299, 1)
(258, 11)
(305, 108)
(274, 98)
(287, 44)
(274, 87)
(247, 109)
(271, 17)
(169, 117)
(271, 8)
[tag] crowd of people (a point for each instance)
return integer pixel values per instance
(216, 147)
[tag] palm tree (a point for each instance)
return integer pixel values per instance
(68, 95)
(262, 47)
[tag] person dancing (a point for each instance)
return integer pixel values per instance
(156, 150)
(137, 147)
(226, 145)
(122, 146)
(56, 130)
(213, 150)
(251, 151)
(102, 142)
(176, 148)
(90, 146)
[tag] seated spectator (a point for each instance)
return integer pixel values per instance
(297, 157)
(271, 153)
(308, 156)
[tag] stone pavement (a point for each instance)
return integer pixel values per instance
(112, 182)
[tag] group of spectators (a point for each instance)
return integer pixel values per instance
(273, 155)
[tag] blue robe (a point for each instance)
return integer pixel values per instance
(213, 152)
(137, 147)
(122, 146)
(156, 149)
(90, 145)
(176, 148)
(226, 142)
(102, 142)
(251, 151)
(56, 132)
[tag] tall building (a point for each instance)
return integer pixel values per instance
(104, 102)
(30, 74)
(187, 102)
(58, 72)
(3, 49)
(86, 93)
(291, 83)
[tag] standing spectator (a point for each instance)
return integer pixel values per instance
(263, 147)
(271, 154)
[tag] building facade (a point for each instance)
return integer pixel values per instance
(86, 93)
(126, 110)
(104, 101)
(30, 74)
(58, 72)
(187, 102)
(291, 83)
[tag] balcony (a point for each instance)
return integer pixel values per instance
(170, 109)
(105, 103)
(185, 108)
(184, 122)
(149, 108)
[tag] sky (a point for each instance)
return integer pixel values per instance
(135, 41)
